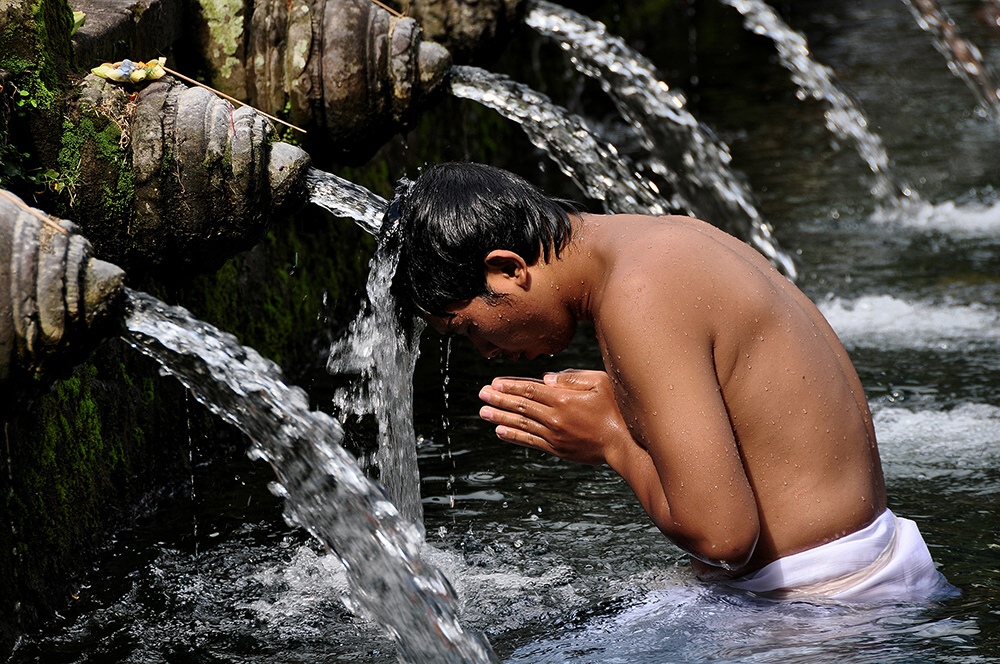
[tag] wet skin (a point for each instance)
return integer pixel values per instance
(728, 404)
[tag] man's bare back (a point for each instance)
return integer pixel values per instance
(750, 436)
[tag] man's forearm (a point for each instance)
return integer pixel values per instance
(636, 467)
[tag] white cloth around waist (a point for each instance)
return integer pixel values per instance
(886, 560)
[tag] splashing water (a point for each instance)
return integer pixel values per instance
(963, 58)
(376, 350)
(844, 118)
(884, 321)
(385, 357)
(574, 144)
(324, 489)
(706, 184)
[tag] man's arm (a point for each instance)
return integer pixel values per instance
(573, 415)
(659, 347)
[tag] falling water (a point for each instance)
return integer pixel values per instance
(376, 350)
(703, 178)
(964, 59)
(573, 143)
(844, 118)
(384, 356)
(325, 491)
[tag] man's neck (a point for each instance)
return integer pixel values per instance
(581, 267)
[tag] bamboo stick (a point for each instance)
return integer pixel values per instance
(231, 99)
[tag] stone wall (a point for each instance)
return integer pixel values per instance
(104, 446)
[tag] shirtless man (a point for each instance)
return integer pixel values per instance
(728, 404)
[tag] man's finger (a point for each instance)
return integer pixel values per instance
(513, 420)
(534, 391)
(579, 379)
(522, 438)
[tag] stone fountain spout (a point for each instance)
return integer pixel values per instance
(57, 301)
(192, 181)
(471, 30)
(348, 70)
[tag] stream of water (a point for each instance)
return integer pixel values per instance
(383, 357)
(963, 57)
(707, 186)
(571, 141)
(324, 490)
(844, 118)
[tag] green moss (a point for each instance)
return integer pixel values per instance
(107, 140)
(95, 168)
(224, 19)
(85, 459)
(148, 392)
(118, 200)
(62, 480)
(35, 47)
(283, 297)
(124, 375)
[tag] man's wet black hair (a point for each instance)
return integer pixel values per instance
(454, 215)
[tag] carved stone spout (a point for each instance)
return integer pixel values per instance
(56, 300)
(191, 181)
(471, 30)
(346, 67)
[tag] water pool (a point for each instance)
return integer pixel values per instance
(556, 562)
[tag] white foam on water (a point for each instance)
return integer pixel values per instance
(962, 220)
(959, 442)
(498, 596)
(309, 583)
(502, 598)
(886, 321)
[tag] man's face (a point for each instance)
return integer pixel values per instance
(511, 326)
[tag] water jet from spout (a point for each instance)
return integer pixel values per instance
(683, 150)
(325, 490)
(844, 117)
(963, 58)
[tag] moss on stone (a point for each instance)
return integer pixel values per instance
(83, 460)
(95, 175)
(285, 297)
(224, 24)
(35, 45)
(35, 51)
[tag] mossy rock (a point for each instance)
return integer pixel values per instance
(291, 294)
(36, 54)
(85, 460)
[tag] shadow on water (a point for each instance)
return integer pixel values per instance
(556, 562)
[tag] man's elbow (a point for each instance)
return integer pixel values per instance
(730, 550)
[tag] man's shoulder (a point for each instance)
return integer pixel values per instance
(671, 262)
(689, 275)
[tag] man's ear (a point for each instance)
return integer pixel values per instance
(505, 271)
